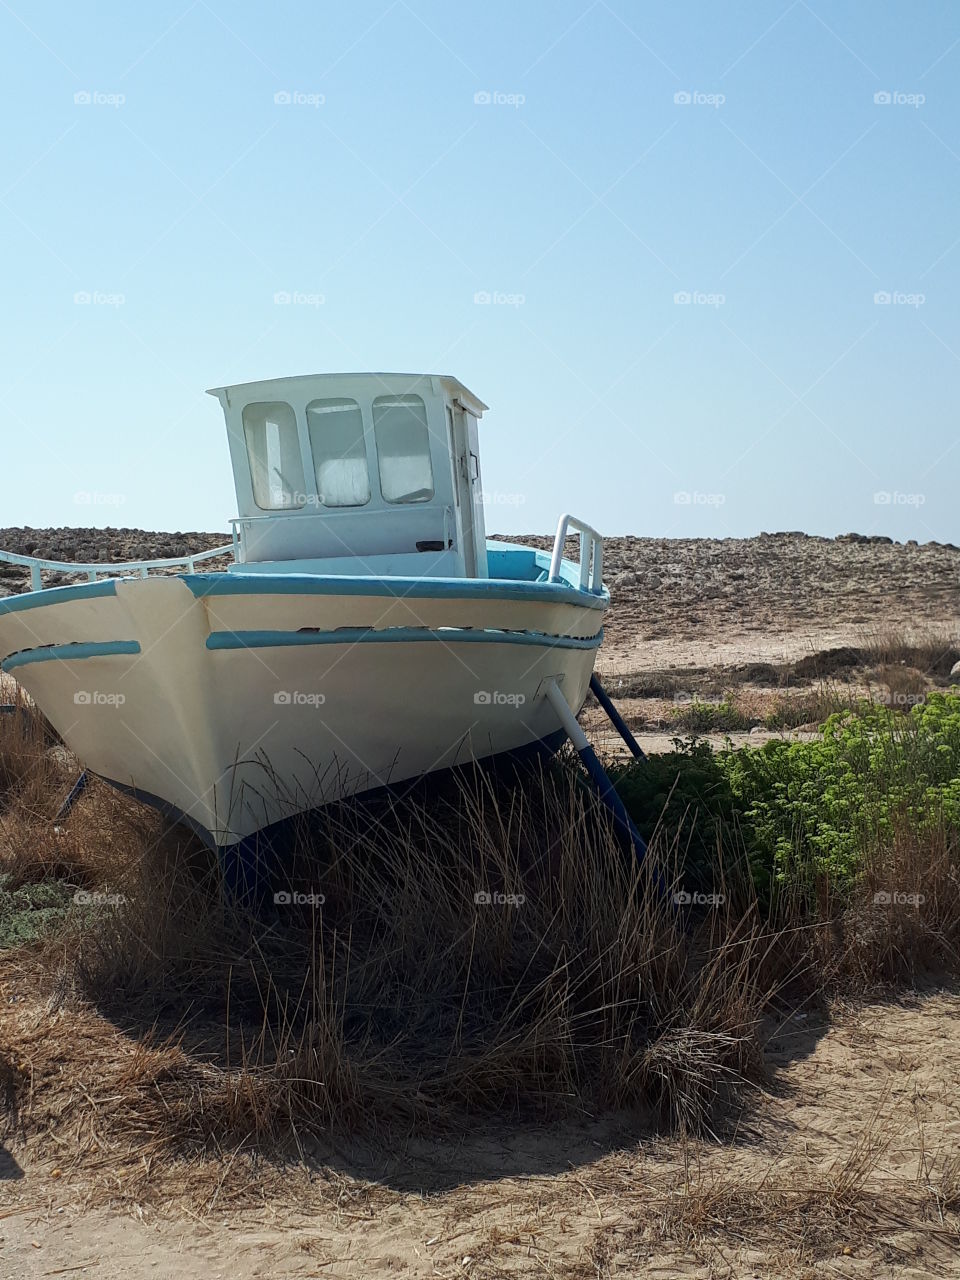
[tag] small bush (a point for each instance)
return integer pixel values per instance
(32, 910)
(698, 716)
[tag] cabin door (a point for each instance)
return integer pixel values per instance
(466, 449)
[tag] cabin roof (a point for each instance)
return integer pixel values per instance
(267, 385)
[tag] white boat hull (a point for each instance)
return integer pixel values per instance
(236, 705)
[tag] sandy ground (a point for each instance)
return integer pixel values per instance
(589, 1200)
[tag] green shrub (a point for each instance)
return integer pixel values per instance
(31, 910)
(687, 794)
(800, 810)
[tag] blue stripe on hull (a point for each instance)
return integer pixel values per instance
(393, 635)
(58, 595)
(70, 652)
(452, 589)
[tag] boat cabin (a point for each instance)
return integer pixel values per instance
(357, 473)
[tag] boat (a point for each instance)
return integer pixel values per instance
(363, 632)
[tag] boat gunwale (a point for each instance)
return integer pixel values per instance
(401, 588)
(204, 585)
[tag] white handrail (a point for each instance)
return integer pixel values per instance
(591, 553)
(36, 564)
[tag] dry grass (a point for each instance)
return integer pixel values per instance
(930, 652)
(159, 1041)
(189, 1027)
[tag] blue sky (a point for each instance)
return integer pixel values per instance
(782, 166)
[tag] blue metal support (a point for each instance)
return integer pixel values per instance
(76, 791)
(605, 789)
(616, 719)
(598, 775)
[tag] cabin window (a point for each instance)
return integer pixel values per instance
(339, 452)
(273, 450)
(403, 448)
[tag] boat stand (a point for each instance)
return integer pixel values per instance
(73, 795)
(598, 775)
(616, 719)
(78, 788)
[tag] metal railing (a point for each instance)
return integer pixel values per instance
(591, 553)
(38, 566)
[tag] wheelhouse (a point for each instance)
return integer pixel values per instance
(357, 473)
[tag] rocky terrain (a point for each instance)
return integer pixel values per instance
(93, 546)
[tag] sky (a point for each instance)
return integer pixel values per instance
(702, 260)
